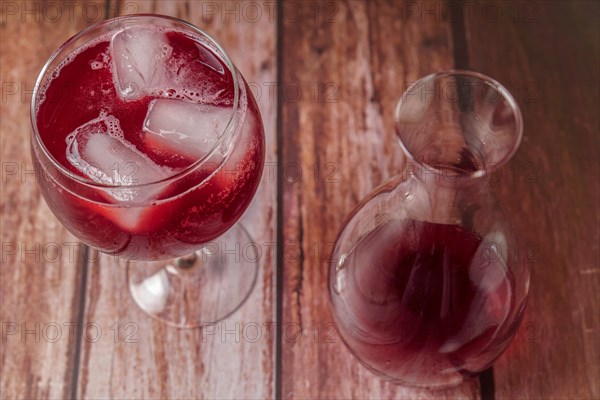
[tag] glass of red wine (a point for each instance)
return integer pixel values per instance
(425, 280)
(148, 145)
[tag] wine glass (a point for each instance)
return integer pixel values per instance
(148, 145)
(425, 280)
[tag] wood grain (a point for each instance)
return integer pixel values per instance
(148, 359)
(551, 189)
(40, 273)
(369, 52)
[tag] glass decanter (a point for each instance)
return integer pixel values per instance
(424, 284)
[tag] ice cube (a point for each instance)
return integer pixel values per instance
(98, 150)
(139, 57)
(191, 130)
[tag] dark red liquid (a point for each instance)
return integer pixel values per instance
(182, 214)
(424, 303)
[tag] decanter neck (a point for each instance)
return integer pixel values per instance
(446, 196)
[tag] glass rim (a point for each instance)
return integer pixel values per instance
(231, 124)
(501, 89)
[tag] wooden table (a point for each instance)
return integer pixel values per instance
(327, 76)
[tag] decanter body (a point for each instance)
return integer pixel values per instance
(425, 280)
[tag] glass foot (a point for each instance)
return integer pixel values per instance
(202, 288)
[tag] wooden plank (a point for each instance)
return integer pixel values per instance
(547, 54)
(41, 269)
(157, 361)
(361, 56)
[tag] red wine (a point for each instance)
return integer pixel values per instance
(423, 303)
(114, 112)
